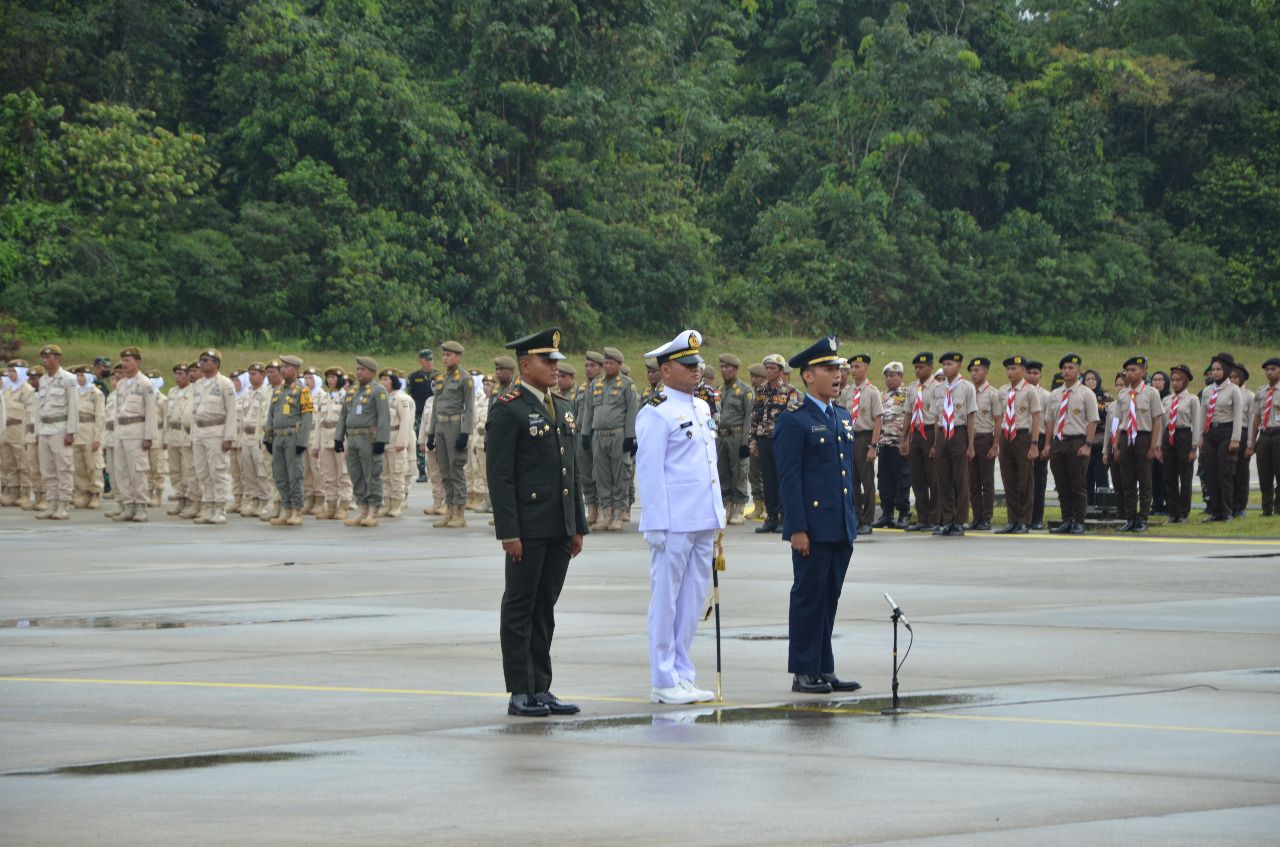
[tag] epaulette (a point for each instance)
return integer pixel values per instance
(657, 399)
(560, 396)
(510, 395)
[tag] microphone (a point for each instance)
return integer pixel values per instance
(897, 611)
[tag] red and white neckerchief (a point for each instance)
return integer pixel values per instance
(917, 411)
(1010, 423)
(856, 404)
(1266, 407)
(949, 409)
(1062, 413)
(1213, 404)
(1132, 427)
(1173, 417)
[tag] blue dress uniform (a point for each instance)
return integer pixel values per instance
(814, 449)
(537, 499)
(682, 511)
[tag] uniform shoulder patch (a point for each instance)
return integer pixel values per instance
(508, 396)
(657, 399)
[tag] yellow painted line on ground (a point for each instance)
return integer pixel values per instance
(1155, 539)
(427, 692)
(279, 686)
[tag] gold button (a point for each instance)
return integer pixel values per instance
(815, 504)
(843, 472)
(846, 491)
(535, 495)
(564, 472)
(566, 492)
(822, 440)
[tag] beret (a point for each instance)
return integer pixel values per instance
(624, 370)
(505, 362)
(1015, 360)
(452, 347)
(925, 358)
(958, 358)
(1185, 369)
(1140, 361)
(613, 353)
(859, 358)
(366, 362)
(38, 371)
(290, 359)
(651, 363)
(1242, 370)
(1070, 359)
(756, 370)
(566, 368)
(1228, 361)
(425, 353)
(979, 361)
(1273, 361)
(730, 359)
(593, 356)
(1033, 365)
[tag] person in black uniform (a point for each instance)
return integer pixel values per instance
(419, 387)
(538, 515)
(814, 448)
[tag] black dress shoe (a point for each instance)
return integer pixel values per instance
(1007, 529)
(902, 522)
(920, 527)
(1020, 529)
(766, 527)
(885, 522)
(942, 529)
(1128, 526)
(1077, 528)
(1037, 525)
(864, 529)
(422, 477)
(1061, 529)
(955, 529)
(1173, 520)
(555, 704)
(810, 684)
(1139, 525)
(526, 706)
(838, 684)
(983, 525)
(1240, 514)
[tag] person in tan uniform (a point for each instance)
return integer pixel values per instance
(1020, 424)
(1071, 418)
(400, 449)
(177, 439)
(1139, 413)
(87, 450)
(215, 423)
(312, 486)
(19, 399)
(1223, 410)
(158, 455)
(1183, 430)
(335, 482)
(986, 447)
(862, 399)
(193, 507)
(956, 405)
(257, 488)
(115, 374)
(1266, 435)
(1240, 488)
(57, 419)
(137, 421)
(917, 443)
(477, 465)
(271, 510)
(1041, 466)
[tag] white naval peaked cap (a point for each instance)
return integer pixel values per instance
(685, 348)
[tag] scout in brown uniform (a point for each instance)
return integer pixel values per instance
(1139, 413)
(1020, 424)
(1041, 466)
(917, 443)
(982, 468)
(771, 400)
(866, 408)
(1183, 428)
(1266, 435)
(1223, 410)
(1240, 497)
(956, 404)
(1071, 419)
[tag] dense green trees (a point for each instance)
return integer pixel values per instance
(374, 172)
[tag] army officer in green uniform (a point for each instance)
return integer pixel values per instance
(365, 422)
(538, 515)
(288, 429)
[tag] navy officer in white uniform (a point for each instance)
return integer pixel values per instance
(814, 448)
(682, 512)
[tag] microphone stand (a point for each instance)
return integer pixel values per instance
(897, 704)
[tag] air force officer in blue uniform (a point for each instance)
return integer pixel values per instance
(679, 487)
(813, 446)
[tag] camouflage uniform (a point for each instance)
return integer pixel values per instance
(770, 402)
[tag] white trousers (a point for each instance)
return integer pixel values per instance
(678, 578)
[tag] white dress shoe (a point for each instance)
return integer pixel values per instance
(700, 695)
(676, 695)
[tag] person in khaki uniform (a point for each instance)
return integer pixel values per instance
(1266, 435)
(256, 485)
(271, 509)
(982, 468)
(452, 421)
(57, 420)
(137, 421)
(335, 483)
(477, 458)
(1071, 419)
(30, 445)
(917, 443)
(1041, 466)
(732, 450)
(1240, 498)
(20, 403)
(365, 423)
(116, 373)
(1183, 426)
(214, 429)
(1139, 413)
(1223, 425)
(610, 427)
(158, 455)
(956, 404)
(438, 505)
(87, 450)
(862, 399)
(1020, 424)
(400, 449)
(193, 507)
(177, 439)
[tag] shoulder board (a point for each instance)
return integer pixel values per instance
(559, 396)
(508, 396)
(657, 399)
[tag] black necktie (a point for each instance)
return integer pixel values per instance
(831, 417)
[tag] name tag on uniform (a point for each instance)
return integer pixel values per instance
(686, 424)
(359, 408)
(818, 429)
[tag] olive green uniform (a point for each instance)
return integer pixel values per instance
(611, 423)
(288, 432)
(365, 421)
(453, 416)
(735, 418)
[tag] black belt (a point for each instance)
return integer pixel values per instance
(1271, 430)
(1218, 425)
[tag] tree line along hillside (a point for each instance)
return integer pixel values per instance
(366, 173)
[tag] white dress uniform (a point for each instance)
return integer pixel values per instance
(683, 511)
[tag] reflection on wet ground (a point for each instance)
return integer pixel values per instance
(152, 622)
(169, 763)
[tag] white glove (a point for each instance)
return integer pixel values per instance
(657, 539)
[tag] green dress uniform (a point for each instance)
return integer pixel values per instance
(537, 499)
(288, 431)
(736, 400)
(611, 424)
(453, 414)
(364, 428)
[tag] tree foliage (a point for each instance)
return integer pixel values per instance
(373, 173)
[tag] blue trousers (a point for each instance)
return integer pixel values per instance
(815, 593)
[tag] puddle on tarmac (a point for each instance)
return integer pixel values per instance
(150, 622)
(169, 763)
(801, 716)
